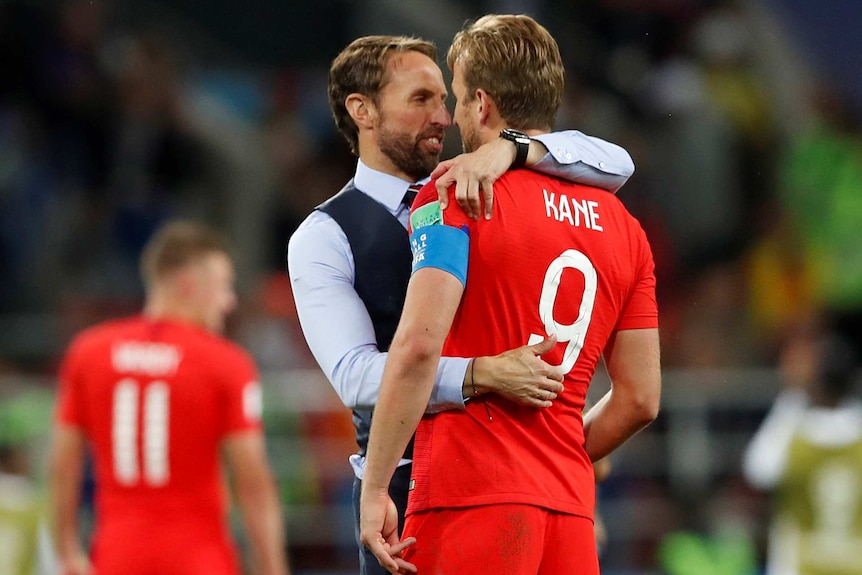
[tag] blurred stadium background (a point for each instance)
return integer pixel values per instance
(742, 117)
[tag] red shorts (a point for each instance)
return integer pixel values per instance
(167, 550)
(513, 539)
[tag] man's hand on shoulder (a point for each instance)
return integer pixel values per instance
(78, 564)
(474, 175)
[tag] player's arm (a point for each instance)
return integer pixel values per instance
(632, 358)
(440, 254)
(765, 457)
(575, 156)
(341, 336)
(337, 326)
(245, 453)
(432, 300)
(569, 155)
(65, 474)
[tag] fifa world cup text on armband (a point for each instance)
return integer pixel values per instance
(579, 213)
(418, 244)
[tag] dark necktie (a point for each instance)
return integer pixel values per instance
(410, 194)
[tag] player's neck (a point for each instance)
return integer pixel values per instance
(172, 310)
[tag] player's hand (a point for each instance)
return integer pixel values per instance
(474, 175)
(520, 375)
(75, 565)
(378, 530)
(602, 468)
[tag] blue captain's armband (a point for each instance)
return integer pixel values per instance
(442, 247)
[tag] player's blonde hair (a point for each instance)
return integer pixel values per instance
(361, 68)
(176, 245)
(517, 61)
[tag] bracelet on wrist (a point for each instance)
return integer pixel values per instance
(473, 377)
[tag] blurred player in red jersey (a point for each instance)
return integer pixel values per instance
(499, 488)
(158, 399)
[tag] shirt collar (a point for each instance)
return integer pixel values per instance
(384, 188)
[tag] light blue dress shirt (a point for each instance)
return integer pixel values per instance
(334, 320)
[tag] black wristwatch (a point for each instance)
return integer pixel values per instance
(522, 145)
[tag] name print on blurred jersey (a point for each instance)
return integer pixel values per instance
(153, 359)
(579, 213)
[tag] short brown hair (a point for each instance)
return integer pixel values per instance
(361, 69)
(176, 245)
(517, 61)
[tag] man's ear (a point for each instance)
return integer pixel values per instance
(361, 109)
(487, 106)
(184, 282)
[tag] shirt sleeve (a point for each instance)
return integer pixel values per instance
(243, 401)
(336, 325)
(70, 404)
(583, 159)
(641, 309)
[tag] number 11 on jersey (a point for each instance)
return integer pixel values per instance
(154, 428)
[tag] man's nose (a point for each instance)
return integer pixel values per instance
(442, 117)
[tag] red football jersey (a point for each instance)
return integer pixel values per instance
(555, 258)
(155, 399)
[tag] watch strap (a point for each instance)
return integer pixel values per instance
(522, 146)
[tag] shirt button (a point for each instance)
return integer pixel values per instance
(602, 165)
(568, 156)
(560, 153)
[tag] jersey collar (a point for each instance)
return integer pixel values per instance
(384, 188)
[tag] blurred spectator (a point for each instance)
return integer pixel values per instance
(25, 547)
(693, 172)
(779, 291)
(808, 452)
(712, 329)
(724, 44)
(20, 515)
(155, 165)
(822, 193)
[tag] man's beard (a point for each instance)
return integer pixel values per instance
(407, 154)
(469, 139)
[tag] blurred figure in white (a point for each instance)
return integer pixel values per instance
(25, 544)
(808, 452)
